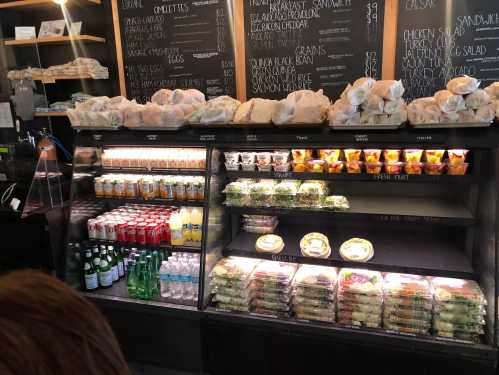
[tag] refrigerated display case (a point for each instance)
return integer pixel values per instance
(427, 224)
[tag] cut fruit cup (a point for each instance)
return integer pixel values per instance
(374, 168)
(302, 155)
(280, 157)
(392, 155)
(457, 169)
(298, 167)
(336, 167)
(372, 156)
(282, 167)
(316, 166)
(354, 167)
(435, 169)
(434, 156)
(394, 168)
(457, 156)
(414, 168)
(330, 156)
(264, 158)
(413, 156)
(352, 155)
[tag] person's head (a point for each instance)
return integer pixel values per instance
(48, 329)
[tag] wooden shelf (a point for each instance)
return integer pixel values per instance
(60, 78)
(33, 3)
(56, 40)
(50, 114)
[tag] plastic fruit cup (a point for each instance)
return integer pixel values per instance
(263, 158)
(394, 168)
(280, 157)
(301, 155)
(336, 167)
(392, 156)
(282, 167)
(457, 156)
(330, 156)
(434, 169)
(457, 169)
(414, 168)
(352, 155)
(434, 156)
(372, 156)
(374, 168)
(248, 166)
(413, 155)
(230, 166)
(316, 166)
(354, 167)
(248, 157)
(264, 168)
(231, 156)
(298, 167)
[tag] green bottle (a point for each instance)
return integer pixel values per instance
(89, 272)
(156, 262)
(121, 262)
(106, 272)
(143, 255)
(113, 262)
(144, 283)
(132, 280)
(96, 260)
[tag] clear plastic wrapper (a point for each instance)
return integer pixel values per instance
(237, 194)
(270, 305)
(275, 271)
(336, 202)
(457, 169)
(261, 194)
(434, 169)
(313, 303)
(316, 166)
(457, 291)
(357, 281)
(330, 155)
(234, 268)
(311, 194)
(317, 277)
(405, 285)
(285, 193)
(229, 307)
(354, 167)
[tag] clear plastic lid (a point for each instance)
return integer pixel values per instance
(280, 271)
(311, 302)
(270, 305)
(234, 268)
(313, 188)
(405, 285)
(231, 292)
(237, 187)
(287, 187)
(359, 281)
(321, 277)
(448, 290)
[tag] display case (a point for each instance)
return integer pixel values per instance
(434, 222)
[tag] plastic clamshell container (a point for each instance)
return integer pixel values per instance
(425, 315)
(434, 156)
(316, 311)
(457, 169)
(232, 156)
(248, 157)
(434, 169)
(263, 295)
(372, 155)
(260, 220)
(271, 285)
(374, 168)
(279, 271)
(270, 305)
(313, 302)
(402, 328)
(336, 167)
(264, 158)
(391, 155)
(394, 168)
(231, 292)
(413, 155)
(271, 313)
(261, 194)
(285, 167)
(234, 268)
(408, 303)
(357, 281)
(230, 166)
(221, 282)
(354, 167)
(330, 155)
(457, 156)
(405, 285)
(319, 318)
(414, 168)
(229, 307)
(280, 157)
(259, 229)
(352, 154)
(264, 168)
(299, 167)
(311, 276)
(314, 293)
(460, 318)
(231, 300)
(361, 308)
(457, 291)
(248, 167)
(336, 202)
(237, 194)
(316, 166)
(301, 155)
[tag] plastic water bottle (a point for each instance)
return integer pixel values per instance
(195, 278)
(185, 278)
(176, 285)
(164, 279)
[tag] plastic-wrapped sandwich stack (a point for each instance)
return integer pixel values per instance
(459, 309)
(271, 288)
(370, 102)
(408, 303)
(493, 91)
(314, 293)
(360, 298)
(230, 283)
(461, 102)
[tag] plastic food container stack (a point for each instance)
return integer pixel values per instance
(314, 293)
(271, 288)
(230, 283)
(360, 298)
(459, 309)
(237, 194)
(408, 303)
(259, 224)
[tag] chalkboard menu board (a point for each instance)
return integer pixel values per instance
(441, 39)
(181, 44)
(311, 44)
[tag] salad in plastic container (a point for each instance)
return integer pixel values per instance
(234, 268)
(359, 307)
(330, 318)
(359, 281)
(263, 295)
(316, 311)
(311, 194)
(408, 303)
(457, 291)
(270, 305)
(407, 313)
(314, 293)
(231, 307)
(231, 300)
(275, 271)
(336, 202)
(321, 277)
(408, 286)
(330, 156)
(261, 194)
(460, 318)
(232, 292)
(268, 312)
(271, 286)
(440, 325)
(359, 319)
(285, 193)
(355, 298)
(257, 229)
(402, 328)
(237, 194)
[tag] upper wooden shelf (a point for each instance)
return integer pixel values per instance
(56, 40)
(50, 114)
(34, 3)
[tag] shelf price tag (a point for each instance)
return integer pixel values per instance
(302, 138)
(284, 258)
(423, 138)
(283, 174)
(361, 138)
(207, 137)
(97, 137)
(251, 138)
(152, 137)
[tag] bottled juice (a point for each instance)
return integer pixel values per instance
(177, 238)
(185, 213)
(196, 224)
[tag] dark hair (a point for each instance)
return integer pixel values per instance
(46, 328)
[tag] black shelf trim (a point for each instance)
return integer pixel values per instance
(179, 172)
(383, 177)
(182, 249)
(381, 209)
(156, 202)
